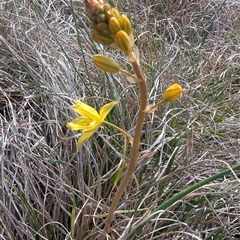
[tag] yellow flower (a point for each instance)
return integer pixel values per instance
(89, 121)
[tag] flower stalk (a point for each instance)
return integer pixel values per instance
(135, 146)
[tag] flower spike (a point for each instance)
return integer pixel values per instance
(109, 27)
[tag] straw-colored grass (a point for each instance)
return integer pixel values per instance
(51, 191)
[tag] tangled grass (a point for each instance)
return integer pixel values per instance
(51, 191)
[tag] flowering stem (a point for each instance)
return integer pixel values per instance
(134, 153)
(120, 130)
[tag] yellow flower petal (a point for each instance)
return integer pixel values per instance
(106, 109)
(85, 110)
(93, 126)
(84, 137)
(79, 123)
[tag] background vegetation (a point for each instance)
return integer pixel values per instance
(50, 191)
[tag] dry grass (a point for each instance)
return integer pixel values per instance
(50, 191)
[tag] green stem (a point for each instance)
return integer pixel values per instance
(134, 153)
(171, 201)
(120, 130)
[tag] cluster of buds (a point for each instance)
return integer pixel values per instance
(109, 27)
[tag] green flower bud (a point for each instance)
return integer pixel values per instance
(93, 18)
(114, 25)
(125, 24)
(100, 9)
(103, 28)
(106, 7)
(106, 64)
(113, 13)
(122, 41)
(101, 17)
(100, 38)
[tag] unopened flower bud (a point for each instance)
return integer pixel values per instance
(122, 41)
(125, 24)
(93, 18)
(106, 7)
(100, 9)
(103, 28)
(91, 6)
(172, 93)
(101, 17)
(114, 25)
(113, 13)
(106, 64)
(102, 39)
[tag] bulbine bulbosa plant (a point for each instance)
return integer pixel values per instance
(111, 28)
